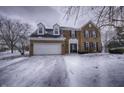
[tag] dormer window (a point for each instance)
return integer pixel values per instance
(41, 29)
(56, 29)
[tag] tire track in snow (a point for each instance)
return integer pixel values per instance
(58, 77)
(11, 62)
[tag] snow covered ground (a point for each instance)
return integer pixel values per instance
(86, 70)
(9, 55)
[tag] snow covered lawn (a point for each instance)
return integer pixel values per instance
(88, 70)
(9, 55)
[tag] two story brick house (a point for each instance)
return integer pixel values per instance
(65, 40)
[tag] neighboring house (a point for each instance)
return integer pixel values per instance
(65, 40)
(3, 46)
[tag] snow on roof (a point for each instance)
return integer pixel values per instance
(43, 38)
(69, 28)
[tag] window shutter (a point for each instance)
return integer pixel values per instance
(70, 33)
(97, 34)
(91, 33)
(84, 32)
(97, 46)
(75, 34)
(85, 45)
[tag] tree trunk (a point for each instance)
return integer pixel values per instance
(22, 53)
(23, 50)
(11, 49)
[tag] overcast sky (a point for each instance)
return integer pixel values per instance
(45, 14)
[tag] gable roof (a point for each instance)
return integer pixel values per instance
(48, 33)
(69, 28)
(90, 22)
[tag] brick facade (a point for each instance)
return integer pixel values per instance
(94, 43)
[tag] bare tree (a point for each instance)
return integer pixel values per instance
(7, 29)
(22, 41)
(71, 11)
(14, 33)
(108, 17)
(104, 15)
(112, 16)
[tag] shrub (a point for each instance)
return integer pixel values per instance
(118, 50)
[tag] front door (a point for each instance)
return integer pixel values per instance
(73, 48)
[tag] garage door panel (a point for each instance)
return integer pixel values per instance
(47, 48)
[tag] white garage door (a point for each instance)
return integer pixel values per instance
(47, 48)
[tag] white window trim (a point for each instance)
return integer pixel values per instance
(43, 31)
(56, 27)
(87, 34)
(87, 44)
(90, 25)
(95, 45)
(73, 34)
(94, 34)
(74, 41)
(57, 30)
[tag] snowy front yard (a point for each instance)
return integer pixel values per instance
(68, 70)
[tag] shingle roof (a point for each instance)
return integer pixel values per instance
(49, 29)
(48, 33)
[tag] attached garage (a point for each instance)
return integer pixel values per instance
(47, 48)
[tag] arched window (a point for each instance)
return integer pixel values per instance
(56, 29)
(41, 29)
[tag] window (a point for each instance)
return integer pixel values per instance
(90, 25)
(86, 45)
(94, 34)
(56, 31)
(86, 34)
(73, 34)
(40, 30)
(91, 45)
(94, 45)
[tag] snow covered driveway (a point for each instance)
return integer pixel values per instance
(68, 70)
(33, 71)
